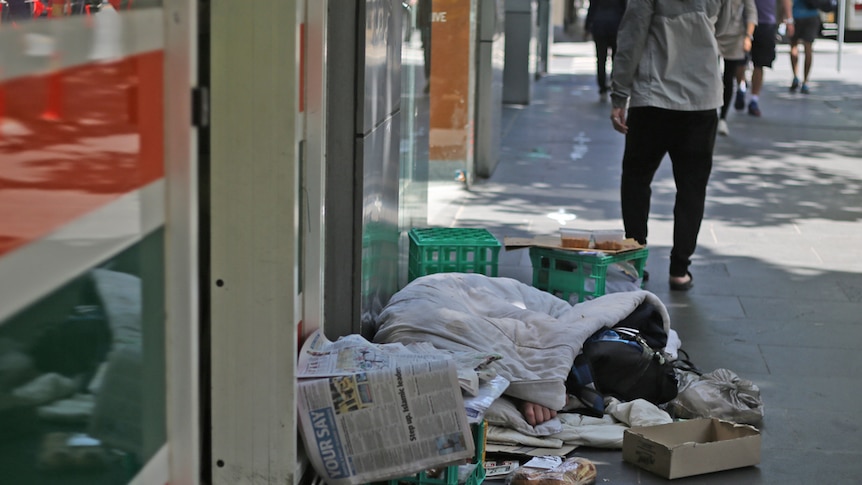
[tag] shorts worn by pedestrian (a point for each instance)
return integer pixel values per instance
(666, 89)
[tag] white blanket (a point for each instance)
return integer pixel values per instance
(538, 334)
(506, 426)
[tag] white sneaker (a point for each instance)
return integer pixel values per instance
(722, 128)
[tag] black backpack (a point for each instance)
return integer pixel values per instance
(626, 362)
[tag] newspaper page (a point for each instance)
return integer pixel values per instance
(353, 354)
(529, 450)
(372, 412)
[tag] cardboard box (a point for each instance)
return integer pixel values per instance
(692, 447)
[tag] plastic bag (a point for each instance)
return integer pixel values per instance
(718, 394)
(573, 471)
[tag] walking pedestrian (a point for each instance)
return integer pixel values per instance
(763, 45)
(807, 27)
(602, 22)
(734, 47)
(423, 22)
(666, 74)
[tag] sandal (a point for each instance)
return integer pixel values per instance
(683, 286)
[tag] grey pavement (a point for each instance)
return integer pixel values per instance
(778, 270)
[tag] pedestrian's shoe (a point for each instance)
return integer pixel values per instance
(804, 89)
(722, 128)
(681, 283)
(795, 85)
(739, 104)
(753, 109)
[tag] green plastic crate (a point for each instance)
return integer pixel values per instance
(449, 476)
(581, 273)
(452, 250)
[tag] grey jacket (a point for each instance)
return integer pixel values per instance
(667, 54)
(743, 12)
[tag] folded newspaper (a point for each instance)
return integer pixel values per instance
(371, 412)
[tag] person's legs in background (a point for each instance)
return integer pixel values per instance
(691, 155)
(756, 84)
(762, 55)
(612, 45)
(425, 35)
(806, 69)
(570, 15)
(806, 31)
(739, 104)
(602, 45)
(644, 150)
(794, 63)
(728, 78)
(423, 22)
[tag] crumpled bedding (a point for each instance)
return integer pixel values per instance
(506, 426)
(538, 334)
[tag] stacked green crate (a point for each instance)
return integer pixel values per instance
(568, 272)
(448, 250)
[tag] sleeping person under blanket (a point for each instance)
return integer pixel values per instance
(538, 334)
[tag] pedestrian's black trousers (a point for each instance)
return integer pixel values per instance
(688, 137)
(603, 43)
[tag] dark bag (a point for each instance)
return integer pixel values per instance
(626, 362)
(822, 5)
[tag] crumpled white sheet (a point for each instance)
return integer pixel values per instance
(508, 436)
(577, 429)
(538, 334)
(503, 412)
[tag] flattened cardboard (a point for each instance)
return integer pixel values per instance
(693, 447)
(554, 242)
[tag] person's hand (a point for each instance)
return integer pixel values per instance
(618, 119)
(536, 413)
(746, 44)
(791, 29)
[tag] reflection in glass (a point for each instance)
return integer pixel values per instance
(23, 10)
(82, 372)
(82, 376)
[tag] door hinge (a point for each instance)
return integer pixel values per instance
(200, 106)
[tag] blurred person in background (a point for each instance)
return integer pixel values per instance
(666, 92)
(602, 22)
(423, 22)
(807, 27)
(734, 45)
(763, 45)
